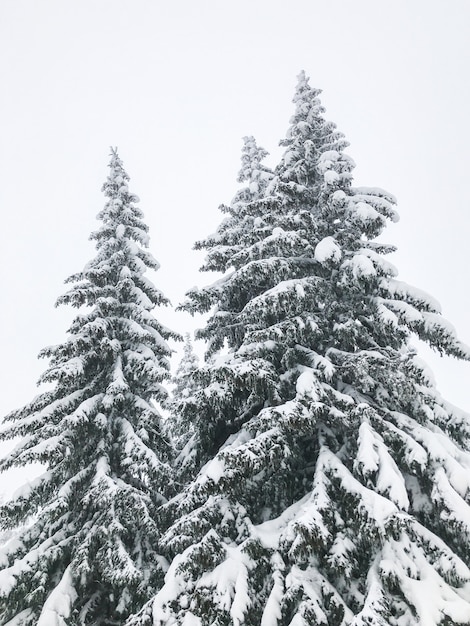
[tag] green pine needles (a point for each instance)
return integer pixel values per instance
(307, 473)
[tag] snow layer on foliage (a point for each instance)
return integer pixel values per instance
(308, 385)
(295, 288)
(9, 575)
(331, 177)
(173, 587)
(444, 492)
(213, 470)
(407, 312)
(327, 159)
(408, 292)
(426, 371)
(66, 489)
(8, 547)
(381, 199)
(339, 196)
(414, 453)
(374, 604)
(314, 586)
(229, 581)
(442, 451)
(386, 315)
(382, 264)
(190, 619)
(58, 605)
(423, 586)
(365, 211)
(272, 611)
(375, 191)
(21, 619)
(373, 457)
(238, 439)
(435, 323)
(24, 490)
(269, 532)
(373, 504)
(46, 446)
(320, 362)
(361, 265)
(327, 249)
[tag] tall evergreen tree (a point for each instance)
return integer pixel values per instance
(85, 549)
(218, 381)
(339, 492)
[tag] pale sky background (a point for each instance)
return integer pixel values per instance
(176, 85)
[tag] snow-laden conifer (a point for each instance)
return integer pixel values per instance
(339, 486)
(214, 384)
(186, 368)
(85, 550)
(179, 426)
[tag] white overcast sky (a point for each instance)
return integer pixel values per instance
(176, 85)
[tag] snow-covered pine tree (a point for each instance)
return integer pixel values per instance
(341, 493)
(180, 429)
(243, 215)
(85, 552)
(187, 366)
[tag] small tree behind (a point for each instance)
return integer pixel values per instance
(185, 370)
(179, 426)
(222, 393)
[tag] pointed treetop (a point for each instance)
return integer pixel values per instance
(116, 182)
(304, 91)
(116, 166)
(253, 172)
(115, 158)
(251, 158)
(121, 215)
(188, 351)
(189, 360)
(307, 101)
(308, 137)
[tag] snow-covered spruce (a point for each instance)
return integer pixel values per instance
(85, 548)
(337, 491)
(243, 220)
(179, 428)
